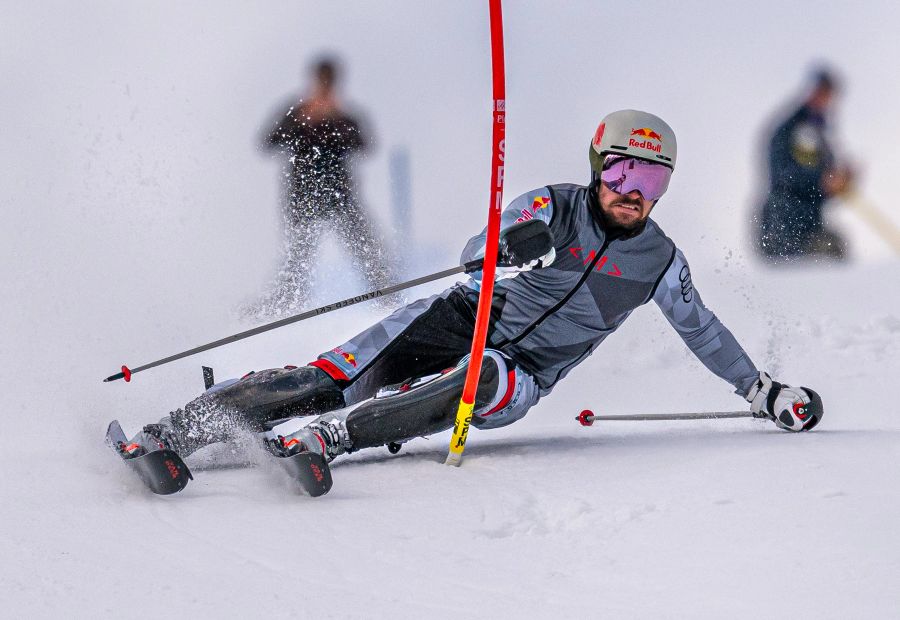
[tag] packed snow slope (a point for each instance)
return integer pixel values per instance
(544, 518)
(139, 217)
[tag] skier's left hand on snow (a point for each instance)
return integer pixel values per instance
(792, 409)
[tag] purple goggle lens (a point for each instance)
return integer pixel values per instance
(626, 174)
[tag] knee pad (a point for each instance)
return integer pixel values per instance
(515, 394)
(421, 407)
(429, 405)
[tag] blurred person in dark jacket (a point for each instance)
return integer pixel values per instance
(803, 174)
(318, 139)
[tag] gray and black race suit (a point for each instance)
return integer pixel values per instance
(546, 321)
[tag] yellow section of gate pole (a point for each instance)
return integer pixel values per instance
(460, 433)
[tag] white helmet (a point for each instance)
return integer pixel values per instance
(635, 134)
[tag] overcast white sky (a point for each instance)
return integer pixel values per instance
(133, 193)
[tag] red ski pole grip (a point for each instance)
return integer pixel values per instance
(125, 374)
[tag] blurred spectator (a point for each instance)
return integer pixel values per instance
(317, 138)
(803, 175)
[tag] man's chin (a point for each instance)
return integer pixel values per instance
(625, 223)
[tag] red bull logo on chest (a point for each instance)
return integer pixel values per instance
(539, 203)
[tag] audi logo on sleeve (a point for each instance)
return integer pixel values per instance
(687, 288)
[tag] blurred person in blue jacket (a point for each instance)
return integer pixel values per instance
(803, 174)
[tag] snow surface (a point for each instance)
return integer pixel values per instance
(138, 218)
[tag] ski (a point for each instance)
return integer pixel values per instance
(310, 470)
(162, 470)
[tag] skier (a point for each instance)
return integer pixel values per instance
(405, 374)
(318, 139)
(803, 175)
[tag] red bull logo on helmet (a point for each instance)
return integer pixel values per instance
(649, 136)
(598, 136)
(646, 132)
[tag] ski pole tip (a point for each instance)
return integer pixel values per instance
(125, 374)
(585, 418)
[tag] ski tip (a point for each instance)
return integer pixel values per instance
(114, 434)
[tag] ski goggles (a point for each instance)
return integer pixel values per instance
(624, 174)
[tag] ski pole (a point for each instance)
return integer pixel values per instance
(466, 268)
(879, 222)
(587, 417)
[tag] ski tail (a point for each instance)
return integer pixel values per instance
(310, 470)
(163, 471)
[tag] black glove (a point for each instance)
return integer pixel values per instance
(526, 243)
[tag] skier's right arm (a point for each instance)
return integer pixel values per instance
(536, 204)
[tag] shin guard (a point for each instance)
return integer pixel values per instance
(253, 402)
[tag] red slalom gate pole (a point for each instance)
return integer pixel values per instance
(467, 402)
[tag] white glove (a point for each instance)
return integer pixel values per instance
(502, 273)
(792, 409)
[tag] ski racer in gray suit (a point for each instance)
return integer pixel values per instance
(402, 378)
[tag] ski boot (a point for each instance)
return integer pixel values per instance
(326, 436)
(152, 437)
(306, 452)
